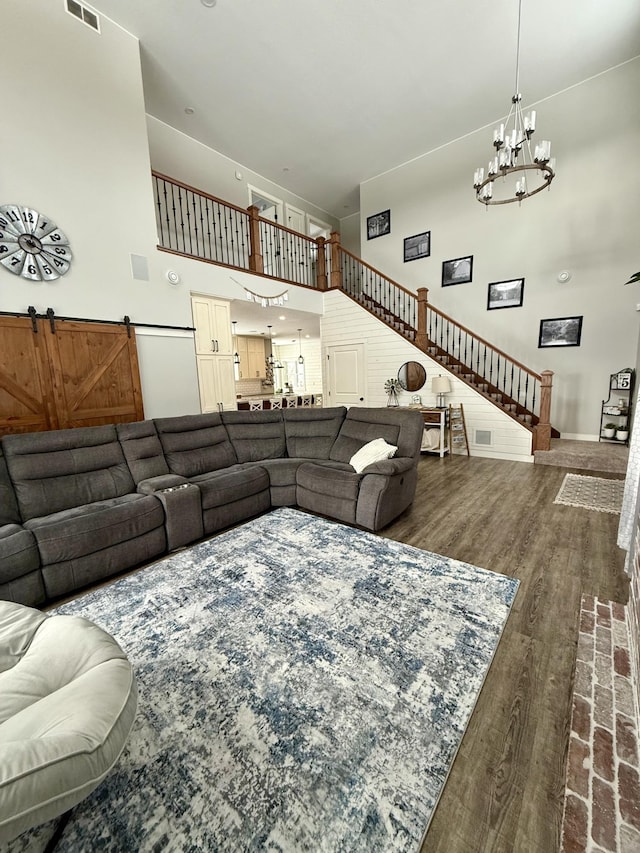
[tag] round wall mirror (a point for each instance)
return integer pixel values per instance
(412, 376)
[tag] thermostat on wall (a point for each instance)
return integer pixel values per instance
(173, 277)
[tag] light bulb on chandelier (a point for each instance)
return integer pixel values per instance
(513, 154)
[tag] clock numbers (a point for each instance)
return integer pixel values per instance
(31, 245)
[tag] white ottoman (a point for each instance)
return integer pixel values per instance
(67, 703)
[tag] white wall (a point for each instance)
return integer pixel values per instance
(179, 156)
(587, 224)
(79, 153)
(386, 352)
(350, 234)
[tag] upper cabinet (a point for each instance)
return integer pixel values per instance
(212, 319)
(252, 354)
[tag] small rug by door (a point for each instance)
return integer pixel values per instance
(302, 686)
(597, 493)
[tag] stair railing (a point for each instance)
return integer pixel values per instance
(194, 223)
(515, 388)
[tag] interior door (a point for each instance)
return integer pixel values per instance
(95, 374)
(346, 375)
(26, 398)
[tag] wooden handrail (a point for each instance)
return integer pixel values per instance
(200, 192)
(377, 272)
(477, 337)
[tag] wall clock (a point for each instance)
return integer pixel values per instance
(31, 244)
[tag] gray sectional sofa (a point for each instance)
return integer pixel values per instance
(80, 505)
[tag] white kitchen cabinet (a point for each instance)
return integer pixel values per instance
(216, 383)
(212, 320)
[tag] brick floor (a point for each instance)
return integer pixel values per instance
(602, 794)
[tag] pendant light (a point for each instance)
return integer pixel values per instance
(236, 357)
(270, 360)
(300, 357)
(524, 172)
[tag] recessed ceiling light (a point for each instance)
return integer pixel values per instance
(209, 3)
(189, 111)
(282, 317)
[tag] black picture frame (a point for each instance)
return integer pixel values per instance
(457, 271)
(379, 224)
(418, 246)
(505, 294)
(560, 332)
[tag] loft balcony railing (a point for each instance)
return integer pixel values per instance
(199, 225)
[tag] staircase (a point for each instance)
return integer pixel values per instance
(509, 385)
(202, 226)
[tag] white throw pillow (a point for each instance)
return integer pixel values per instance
(374, 451)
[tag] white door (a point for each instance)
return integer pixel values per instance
(346, 375)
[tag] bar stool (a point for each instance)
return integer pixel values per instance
(255, 405)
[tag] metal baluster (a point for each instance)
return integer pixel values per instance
(158, 203)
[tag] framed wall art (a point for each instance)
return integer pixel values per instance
(560, 332)
(418, 246)
(379, 224)
(457, 271)
(505, 294)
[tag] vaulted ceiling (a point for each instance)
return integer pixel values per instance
(320, 96)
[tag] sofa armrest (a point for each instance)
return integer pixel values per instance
(158, 484)
(390, 467)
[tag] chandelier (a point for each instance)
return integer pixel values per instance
(531, 171)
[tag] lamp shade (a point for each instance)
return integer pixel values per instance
(441, 385)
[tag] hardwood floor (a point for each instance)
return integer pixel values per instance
(505, 790)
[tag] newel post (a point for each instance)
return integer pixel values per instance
(321, 266)
(336, 272)
(421, 333)
(255, 255)
(542, 433)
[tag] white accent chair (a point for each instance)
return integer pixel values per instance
(68, 699)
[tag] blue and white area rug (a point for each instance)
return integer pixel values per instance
(303, 686)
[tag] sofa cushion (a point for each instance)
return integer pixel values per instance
(311, 433)
(233, 484)
(82, 530)
(373, 451)
(403, 428)
(142, 450)
(18, 552)
(195, 444)
(329, 489)
(333, 481)
(9, 513)
(67, 702)
(256, 435)
(54, 471)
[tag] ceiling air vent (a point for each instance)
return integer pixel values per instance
(84, 14)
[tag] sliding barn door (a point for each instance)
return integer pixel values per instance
(95, 374)
(26, 400)
(74, 374)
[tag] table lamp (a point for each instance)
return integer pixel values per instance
(440, 386)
